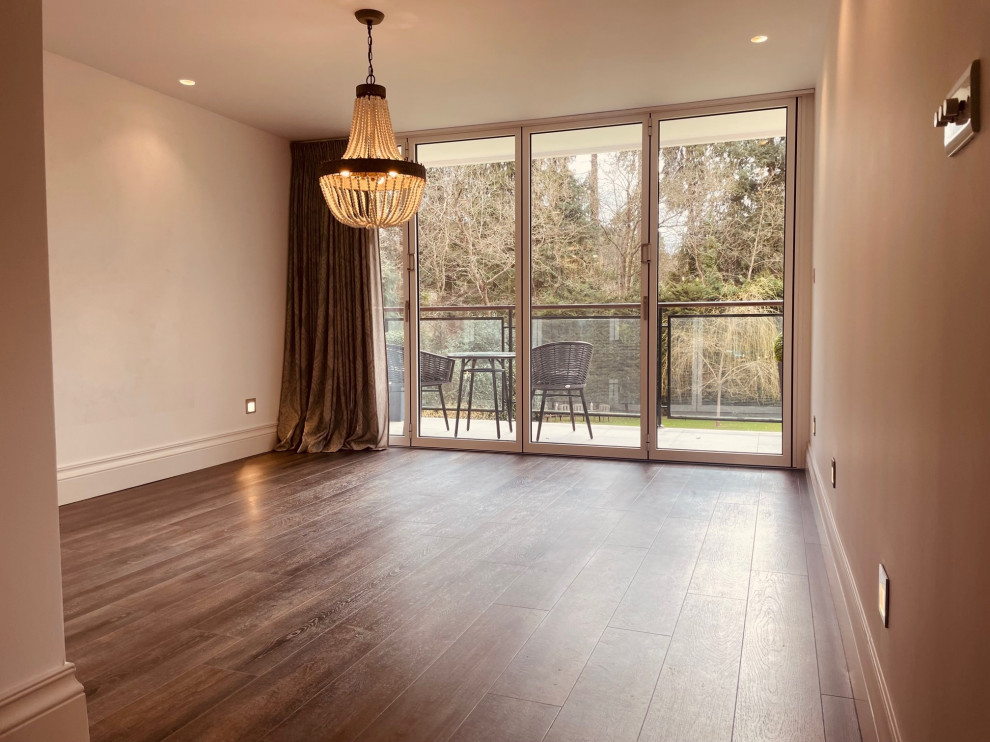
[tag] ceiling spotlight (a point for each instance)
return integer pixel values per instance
(759, 39)
(187, 82)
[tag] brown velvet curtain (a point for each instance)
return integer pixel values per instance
(334, 377)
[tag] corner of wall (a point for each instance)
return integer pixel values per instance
(52, 707)
(40, 699)
(803, 272)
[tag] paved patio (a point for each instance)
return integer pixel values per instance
(721, 441)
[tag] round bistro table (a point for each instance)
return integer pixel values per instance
(499, 365)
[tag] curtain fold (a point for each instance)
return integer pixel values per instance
(334, 376)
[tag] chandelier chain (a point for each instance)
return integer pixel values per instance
(371, 70)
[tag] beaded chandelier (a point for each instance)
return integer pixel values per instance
(372, 186)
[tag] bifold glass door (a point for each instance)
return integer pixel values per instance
(613, 287)
(467, 242)
(722, 252)
(585, 231)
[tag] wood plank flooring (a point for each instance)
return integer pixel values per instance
(432, 595)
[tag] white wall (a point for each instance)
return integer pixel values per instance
(167, 232)
(901, 355)
(37, 689)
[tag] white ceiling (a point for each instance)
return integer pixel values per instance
(290, 66)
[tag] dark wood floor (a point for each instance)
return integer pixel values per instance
(426, 595)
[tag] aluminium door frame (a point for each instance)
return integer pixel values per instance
(404, 439)
(416, 439)
(785, 457)
(525, 326)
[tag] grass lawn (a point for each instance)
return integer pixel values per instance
(695, 424)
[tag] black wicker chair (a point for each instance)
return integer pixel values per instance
(434, 372)
(561, 370)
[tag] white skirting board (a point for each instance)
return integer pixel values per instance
(52, 707)
(846, 598)
(93, 478)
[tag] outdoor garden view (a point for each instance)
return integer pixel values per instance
(720, 242)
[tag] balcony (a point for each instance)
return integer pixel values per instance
(719, 386)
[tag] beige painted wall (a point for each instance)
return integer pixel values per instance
(32, 647)
(901, 357)
(167, 230)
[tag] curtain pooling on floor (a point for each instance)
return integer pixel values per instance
(334, 379)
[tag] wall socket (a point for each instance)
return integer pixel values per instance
(884, 597)
(833, 473)
(250, 406)
(959, 114)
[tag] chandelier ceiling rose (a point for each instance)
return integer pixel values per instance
(367, 15)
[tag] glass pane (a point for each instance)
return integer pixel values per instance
(586, 284)
(466, 231)
(721, 211)
(393, 288)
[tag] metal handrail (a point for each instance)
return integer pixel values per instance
(615, 305)
(508, 312)
(746, 303)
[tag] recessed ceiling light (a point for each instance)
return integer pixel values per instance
(187, 82)
(759, 39)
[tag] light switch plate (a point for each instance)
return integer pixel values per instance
(884, 597)
(960, 132)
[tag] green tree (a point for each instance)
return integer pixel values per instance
(721, 217)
